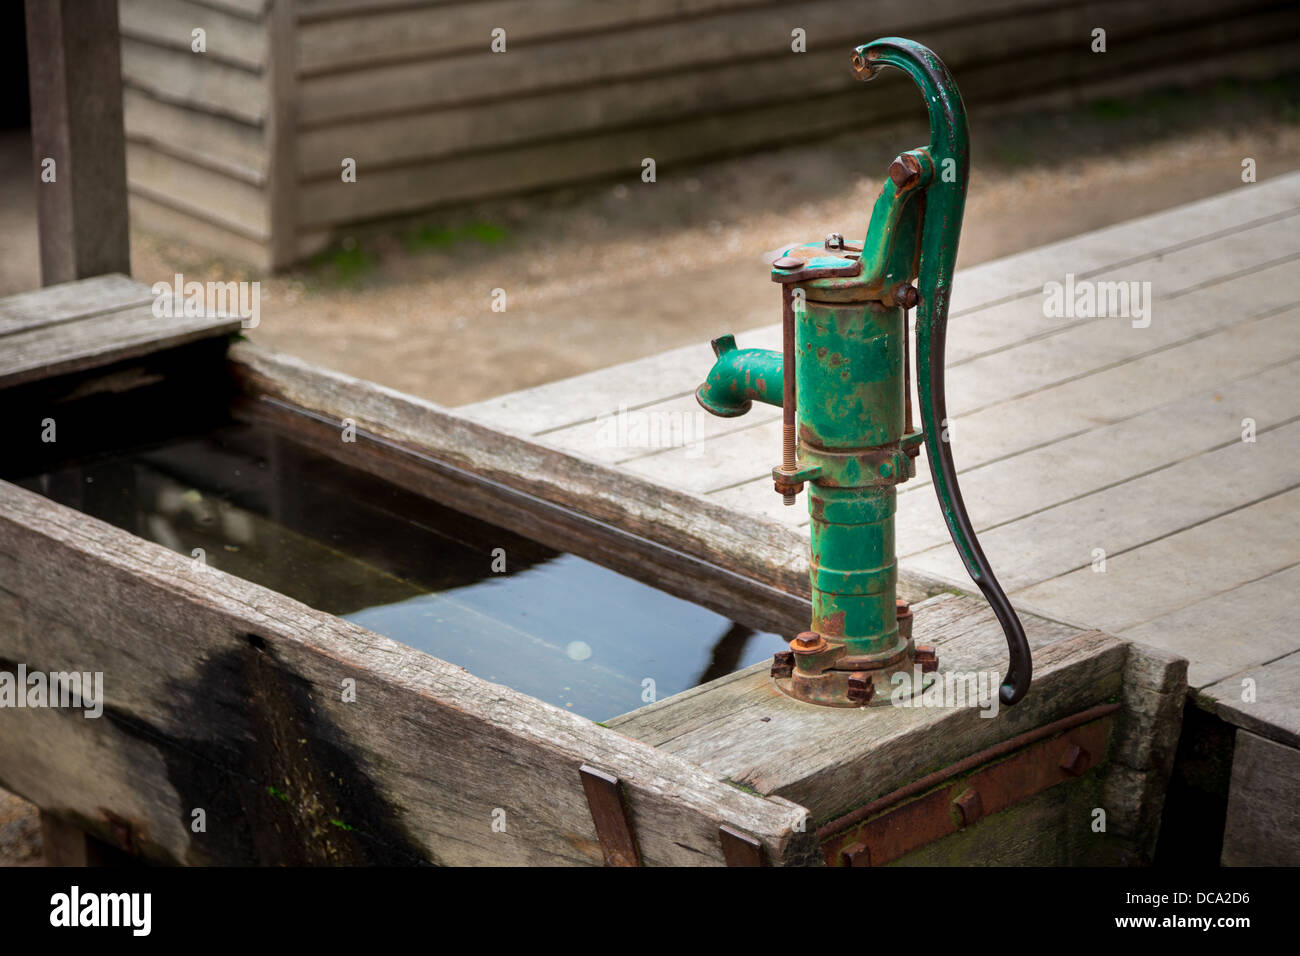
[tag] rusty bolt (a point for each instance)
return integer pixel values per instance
(863, 68)
(927, 658)
(786, 488)
(968, 808)
(788, 263)
(906, 295)
(808, 639)
(861, 687)
(905, 171)
(903, 612)
(834, 241)
(855, 854)
(782, 663)
(1075, 761)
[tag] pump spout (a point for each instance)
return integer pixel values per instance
(739, 378)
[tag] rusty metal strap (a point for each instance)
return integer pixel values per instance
(979, 785)
(609, 813)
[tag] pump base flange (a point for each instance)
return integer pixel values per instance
(844, 688)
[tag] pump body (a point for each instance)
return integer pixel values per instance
(843, 381)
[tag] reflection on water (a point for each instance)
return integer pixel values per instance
(549, 624)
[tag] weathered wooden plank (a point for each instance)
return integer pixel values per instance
(1263, 823)
(546, 408)
(234, 147)
(1127, 515)
(990, 31)
(73, 69)
(251, 9)
(202, 191)
(174, 76)
(313, 11)
(1181, 307)
(1225, 632)
(1262, 698)
(742, 729)
(70, 300)
(100, 340)
(337, 36)
(1124, 390)
(1166, 575)
(1007, 489)
(1142, 755)
(229, 37)
(237, 709)
(1133, 241)
(574, 59)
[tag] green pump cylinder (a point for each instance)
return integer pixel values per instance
(850, 394)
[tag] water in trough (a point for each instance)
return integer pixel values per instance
(507, 609)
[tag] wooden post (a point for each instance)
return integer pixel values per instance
(282, 132)
(74, 63)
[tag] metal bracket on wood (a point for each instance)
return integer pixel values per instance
(609, 813)
(978, 786)
(739, 848)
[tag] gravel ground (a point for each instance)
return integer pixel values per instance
(619, 270)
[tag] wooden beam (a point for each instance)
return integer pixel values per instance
(303, 738)
(74, 65)
(1263, 822)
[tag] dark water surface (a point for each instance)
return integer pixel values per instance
(552, 625)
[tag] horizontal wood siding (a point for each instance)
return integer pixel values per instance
(198, 163)
(586, 90)
(414, 94)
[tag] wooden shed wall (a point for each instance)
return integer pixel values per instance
(241, 148)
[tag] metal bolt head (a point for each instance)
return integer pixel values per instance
(808, 639)
(788, 263)
(834, 241)
(968, 808)
(861, 687)
(905, 171)
(855, 854)
(1075, 760)
(782, 663)
(906, 295)
(927, 658)
(863, 68)
(785, 488)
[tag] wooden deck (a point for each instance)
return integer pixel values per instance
(100, 321)
(1074, 437)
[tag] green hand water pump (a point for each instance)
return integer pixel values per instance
(845, 372)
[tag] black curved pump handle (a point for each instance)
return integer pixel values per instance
(945, 201)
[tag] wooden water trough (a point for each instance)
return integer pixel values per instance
(240, 725)
(226, 697)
